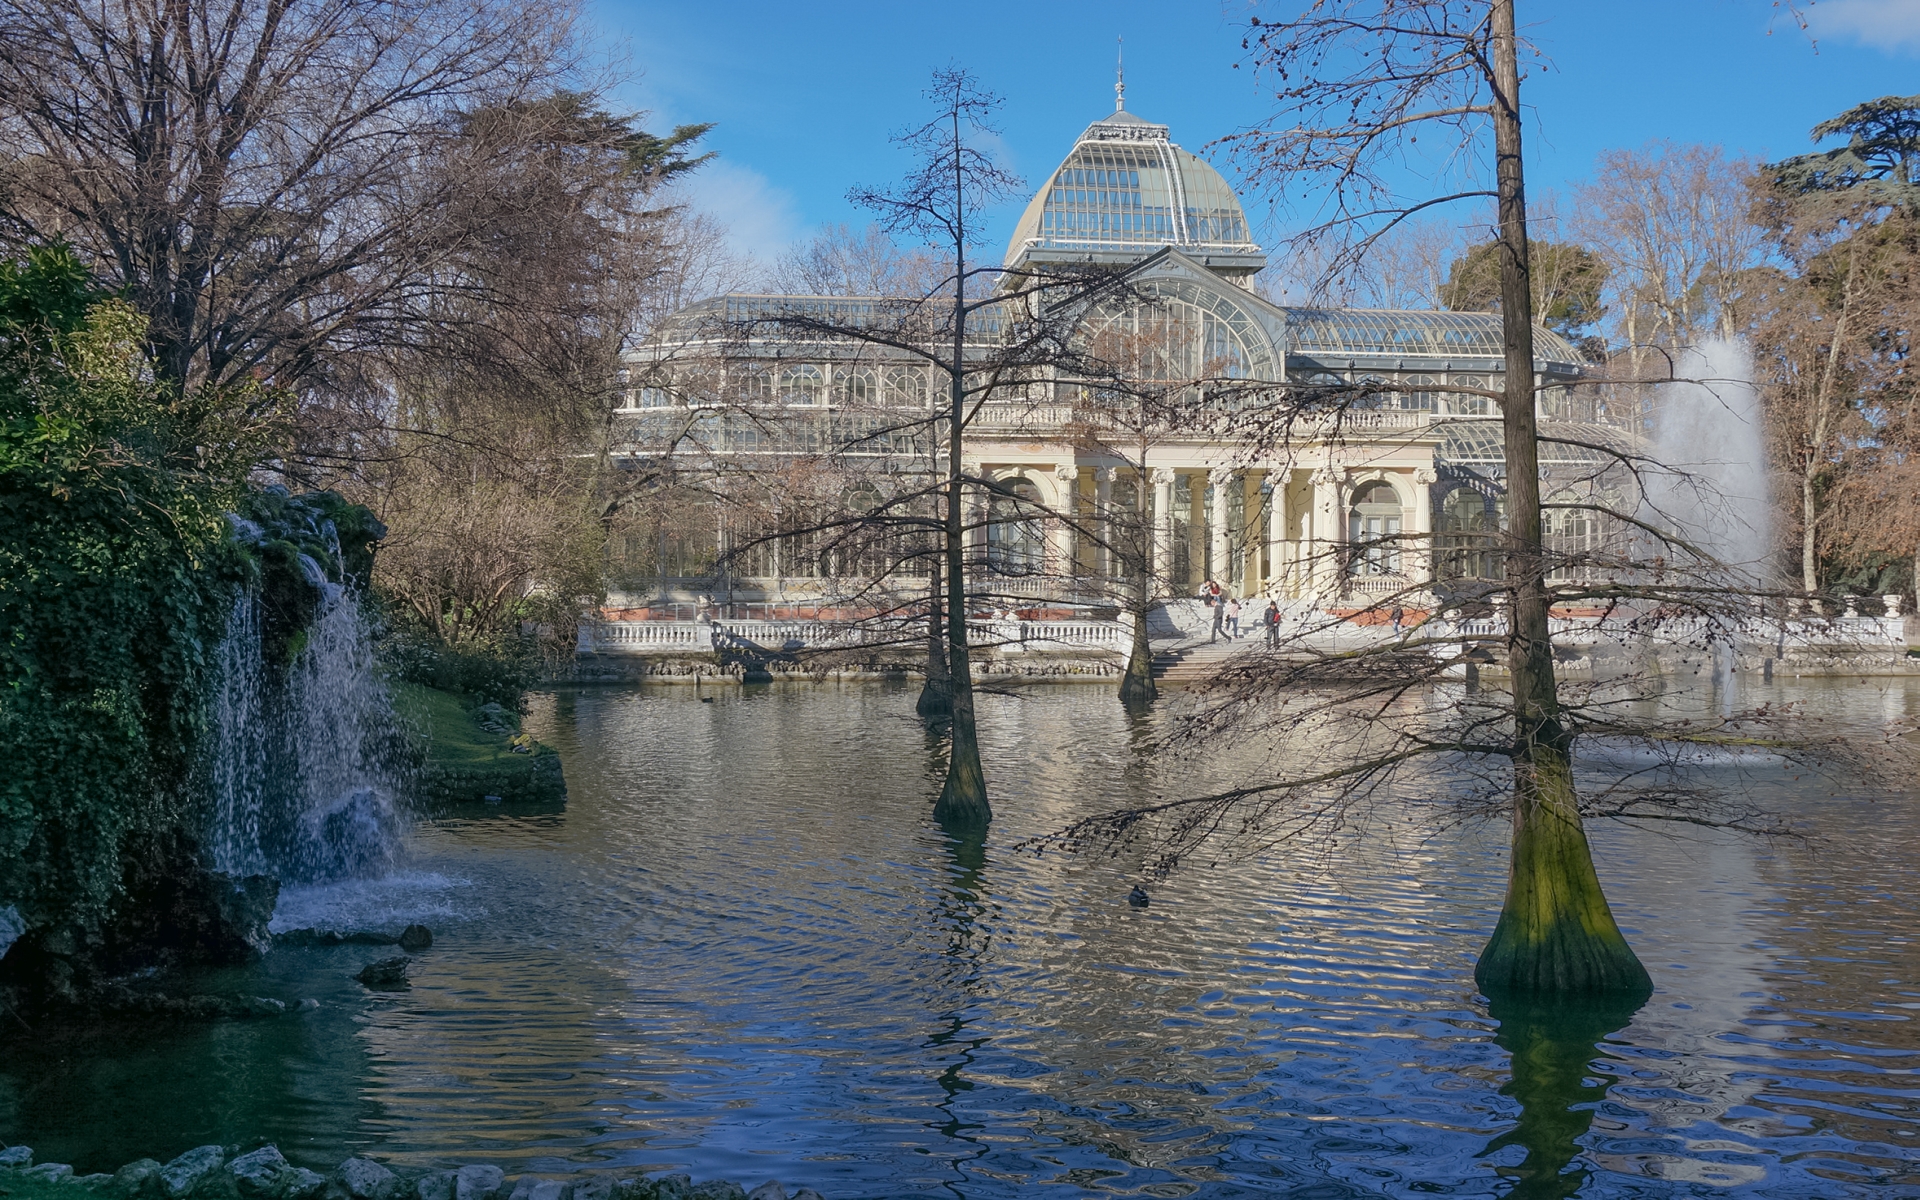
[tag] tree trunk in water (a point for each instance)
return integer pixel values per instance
(1136, 685)
(936, 695)
(963, 800)
(1556, 935)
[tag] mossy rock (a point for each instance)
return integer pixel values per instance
(473, 752)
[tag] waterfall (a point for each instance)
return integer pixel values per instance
(304, 768)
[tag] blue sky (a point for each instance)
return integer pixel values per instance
(806, 94)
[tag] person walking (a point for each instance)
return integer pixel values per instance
(1233, 618)
(1219, 613)
(1271, 619)
(1399, 617)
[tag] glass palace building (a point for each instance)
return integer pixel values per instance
(1399, 495)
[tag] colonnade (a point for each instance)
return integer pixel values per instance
(1292, 528)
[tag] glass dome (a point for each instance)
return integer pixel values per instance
(1126, 191)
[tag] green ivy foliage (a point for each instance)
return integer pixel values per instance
(294, 537)
(117, 575)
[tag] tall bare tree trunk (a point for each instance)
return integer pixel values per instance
(936, 694)
(963, 798)
(1136, 685)
(1822, 424)
(1556, 934)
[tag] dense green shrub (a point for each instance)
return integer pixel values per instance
(485, 674)
(117, 574)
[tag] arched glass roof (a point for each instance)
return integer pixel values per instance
(1337, 332)
(1125, 191)
(1481, 445)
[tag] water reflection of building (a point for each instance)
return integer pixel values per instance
(1399, 494)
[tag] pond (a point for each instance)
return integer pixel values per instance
(743, 950)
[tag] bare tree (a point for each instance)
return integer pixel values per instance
(843, 261)
(490, 456)
(270, 183)
(1673, 224)
(887, 488)
(1355, 80)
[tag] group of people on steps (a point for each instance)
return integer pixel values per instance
(1226, 615)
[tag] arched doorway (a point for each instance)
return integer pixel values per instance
(1373, 530)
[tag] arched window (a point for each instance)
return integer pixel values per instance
(1466, 534)
(1427, 399)
(756, 386)
(1467, 405)
(801, 385)
(1373, 530)
(906, 387)
(859, 387)
(1015, 543)
(1568, 533)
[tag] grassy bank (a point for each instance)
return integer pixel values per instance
(476, 754)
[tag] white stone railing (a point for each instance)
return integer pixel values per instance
(686, 637)
(1042, 636)
(1377, 585)
(645, 637)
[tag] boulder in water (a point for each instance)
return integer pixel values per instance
(437, 1186)
(354, 837)
(532, 1187)
(415, 938)
(593, 1187)
(193, 1172)
(478, 1183)
(770, 1190)
(48, 1172)
(261, 1173)
(136, 1177)
(673, 1187)
(14, 1158)
(364, 1179)
(719, 1189)
(387, 975)
(222, 919)
(302, 1184)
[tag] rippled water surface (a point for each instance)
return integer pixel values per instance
(743, 950)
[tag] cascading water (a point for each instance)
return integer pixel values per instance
(304, 764)
(1714, 492)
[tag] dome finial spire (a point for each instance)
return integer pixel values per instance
(1120, 76)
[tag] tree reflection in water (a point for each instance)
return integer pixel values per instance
(960, 904)
(1553, 1047)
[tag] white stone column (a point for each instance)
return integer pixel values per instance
(1219, 566)
(1419, 557)
(1162, 528)
(1324, 570)
(1065, 542)
(1102, 526)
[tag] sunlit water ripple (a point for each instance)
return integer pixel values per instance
(743, 950)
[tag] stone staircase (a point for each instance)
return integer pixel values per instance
(1193, 662)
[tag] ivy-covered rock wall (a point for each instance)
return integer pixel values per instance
(121, 558)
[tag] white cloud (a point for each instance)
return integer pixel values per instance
(761, 220)
(1882, 24)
